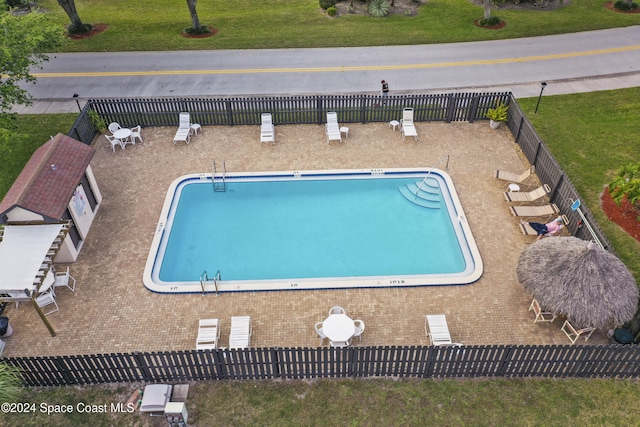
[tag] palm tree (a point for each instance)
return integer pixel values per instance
(76, 27)
(195, 22)
(487, 9)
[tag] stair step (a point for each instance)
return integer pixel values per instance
(425, 192)
(425, 203)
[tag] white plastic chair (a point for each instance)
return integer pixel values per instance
(64, 278)
(408, 127)
(114, 127)
(208, 334)
(337, 310)
(114, 142)
(359, 328)
(136, 133)
(320, 332)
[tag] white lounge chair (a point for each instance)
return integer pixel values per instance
(183, 134)
(336, 309)
(332, 128)
(527, 196)
(208, 334)
(267, 129)
(407, 125)
(528, 231)
(240, 336)
(436, 328)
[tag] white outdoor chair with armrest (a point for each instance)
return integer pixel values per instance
(267, 129)
(320, 332)
(114, 142)
(359, 328)
(436, 328)
(114, 127)
(332, 128)
(208, 334)
(136, 133)
(240, 336)
(407, 125)
(336, 309)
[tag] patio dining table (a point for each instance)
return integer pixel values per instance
(339, 328)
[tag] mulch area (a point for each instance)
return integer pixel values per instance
(625, 215)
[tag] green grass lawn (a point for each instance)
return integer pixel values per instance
(243, 24)
(592, 135)
(373, 402)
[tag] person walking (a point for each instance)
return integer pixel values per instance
(385, 91)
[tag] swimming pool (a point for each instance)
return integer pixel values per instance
(312, 230)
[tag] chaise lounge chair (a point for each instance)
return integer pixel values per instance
(527, 196)
(408, 127)
(183, 134)
(332, 128)
(545, 210)
(267, 129)
(512, 177)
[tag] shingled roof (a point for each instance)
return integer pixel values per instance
(48, 180)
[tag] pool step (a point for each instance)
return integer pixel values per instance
(428, 196)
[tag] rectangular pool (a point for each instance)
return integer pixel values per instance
(312, 230)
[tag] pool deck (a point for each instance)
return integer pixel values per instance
(111, 311)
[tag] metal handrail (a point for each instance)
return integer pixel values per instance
(429, 173)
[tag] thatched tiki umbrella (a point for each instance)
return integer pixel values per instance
(578, 279)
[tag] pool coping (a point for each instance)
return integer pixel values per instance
(211, 285)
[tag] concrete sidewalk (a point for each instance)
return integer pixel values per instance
(557, 87)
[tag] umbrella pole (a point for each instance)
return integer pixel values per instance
(43, 317)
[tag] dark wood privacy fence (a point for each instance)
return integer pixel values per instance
(563, 193)
(285, 110)
(613, 361)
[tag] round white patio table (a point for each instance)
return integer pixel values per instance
(122, 134)
(339, 327)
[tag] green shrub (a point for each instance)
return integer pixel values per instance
(625, 6)
(492, 21)
(326, 4)
(378, 8)
(16, 3)
(626, 184)
(332, 11)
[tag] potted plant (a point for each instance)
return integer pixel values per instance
(497, 115)
(97, 121)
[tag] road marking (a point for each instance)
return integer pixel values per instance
(339, 68)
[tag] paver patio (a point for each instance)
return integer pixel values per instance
(111, 311)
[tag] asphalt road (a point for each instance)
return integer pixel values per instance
(564, 61)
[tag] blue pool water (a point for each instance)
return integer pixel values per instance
(312, 230)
